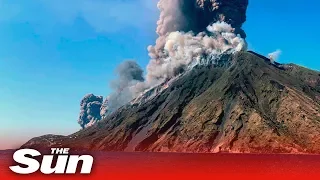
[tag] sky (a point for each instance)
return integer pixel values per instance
(53, 52)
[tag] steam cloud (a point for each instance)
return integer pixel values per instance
(274, 56)
(191, 32)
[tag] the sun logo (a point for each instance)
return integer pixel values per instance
(65, 163)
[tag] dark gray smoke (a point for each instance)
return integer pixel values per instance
(129, 74)
(196, 15)
(90, 110)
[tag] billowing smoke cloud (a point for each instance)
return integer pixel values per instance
(182, 50)
(93, 108)
(195, 16)
(90, 110)
(191, 32)
(274, 56)
(129, 74)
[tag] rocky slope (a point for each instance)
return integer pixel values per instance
(247, 105)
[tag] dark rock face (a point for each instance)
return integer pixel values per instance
(250, 105)
(90, 110)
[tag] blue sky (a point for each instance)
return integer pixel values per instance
(53, 52)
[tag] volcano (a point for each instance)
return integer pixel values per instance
(202, 92)
(245, 104)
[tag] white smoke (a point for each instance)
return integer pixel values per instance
(274, 56)
(184, 50)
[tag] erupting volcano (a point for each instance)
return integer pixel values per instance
(191, 33)
(202, 92)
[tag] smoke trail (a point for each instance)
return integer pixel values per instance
(129, 74)
(274, 56)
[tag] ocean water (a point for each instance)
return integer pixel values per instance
(164, 166)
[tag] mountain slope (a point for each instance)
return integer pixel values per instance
(246, 105)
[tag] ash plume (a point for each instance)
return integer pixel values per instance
(129, 74)
(196, 15)
(90, 110)
(184, 50)
(190, 33)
